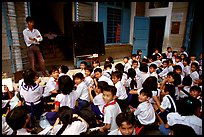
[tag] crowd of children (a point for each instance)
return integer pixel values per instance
(164, 90)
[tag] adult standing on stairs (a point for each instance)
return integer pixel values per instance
(32, 38)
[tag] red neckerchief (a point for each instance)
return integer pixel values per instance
(111, 103)
(56, 81)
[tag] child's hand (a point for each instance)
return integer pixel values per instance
(101, 129)
(132, 110)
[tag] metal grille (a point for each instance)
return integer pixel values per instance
(113, 25)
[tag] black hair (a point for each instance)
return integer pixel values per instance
(170, 61)
(126, 58)
(196, 65)
(84, 62)
(127, 117)
(96, 61)
(65, 115)
(98, 70)
(171, 89)
(53, 69)
(196, 88)
(29, 77)
(110, 59)
(119, 67)
(153, 66)
(89, 68)
(185, 56)
(101, 85)
(134, 61)
(164, 55)
(16, 118)
(187, 81)
(64, 69)
(79, 75)
(187, 106)
(181, 129)
(146, 92)
(187, 59)
(65, 84)
(176, 77)
(184, 48)
(144, 60)
(107, 65)
(150, 83)
(138, 51)
(131, 74)
(133, 55)
(111, 89)
(143, 67)
(117, 74)
(29, 19)
(177, 67)
(168, 48)
(174, 52)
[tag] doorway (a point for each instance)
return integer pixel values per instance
(156, 34)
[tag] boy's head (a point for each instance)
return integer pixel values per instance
(88, 70)
(165, 63)
(134, 64)
(183, 48)
(100, 86)
(78, 78)
(169, 90)
(144, 95)
(109, 59)
(183, 56)
(119, 67)
(116, 76)
(95, 63)
(30, 21)
(143, 67)
(126, 123)
(63, 69)
(180, 129)
(109, 93)
(175, 53)
(174, 78)
(139, 52)
(98, 72)
(125, 59)
(194, 66)
(83, 64)
(107, 65)
(177, 59)
(169, 49)
(187, 81)
(178, 69)
(29, 77)
(133, 57)
(156, 50)
(195, 91)
(170, 62)
(131, 73)
(152, 68)
(54, 72)
(17, 118)
(65, 84)
(186, 61)
(193, 57)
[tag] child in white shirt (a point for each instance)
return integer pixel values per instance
(127, 65)
(83, 65)
(100, 77)
(107, 70)
(63, 70)
(194, 73)
(152, 70)
(88, 79)
(111, 109)
(81, 91)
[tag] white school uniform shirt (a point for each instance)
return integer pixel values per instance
(104, 78)
(83, 72)
(27, 33)
(155, 93)
(127, 66)
(164, 72)
(88, 81)
(195, 76)
(31, 94)
(187, 70)
(117, 132)
(22, 131)
(166, 103)
(169, 55)
(67, 100)
(182, 94)
(121, 91)
(143, 76)
(180, 64)
(6, 129)
(82, 91)
(92, 73)
(124, 79)
(110, 113)
(154, 74)
(192, 121)
(50, 86)
(75, 128)
(145, 113)
(98, 101)
(170, 68)
(19, 84)
(107, 73)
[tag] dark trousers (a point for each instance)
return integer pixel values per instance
(123, 104)
(34, 51)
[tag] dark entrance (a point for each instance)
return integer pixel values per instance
(156, 34)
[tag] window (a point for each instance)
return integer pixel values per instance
(113, 25)
(158, 4)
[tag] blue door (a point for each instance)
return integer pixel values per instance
(141, 35)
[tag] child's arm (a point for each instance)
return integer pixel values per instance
(105, 128)
(133, 91)
(90, 95)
